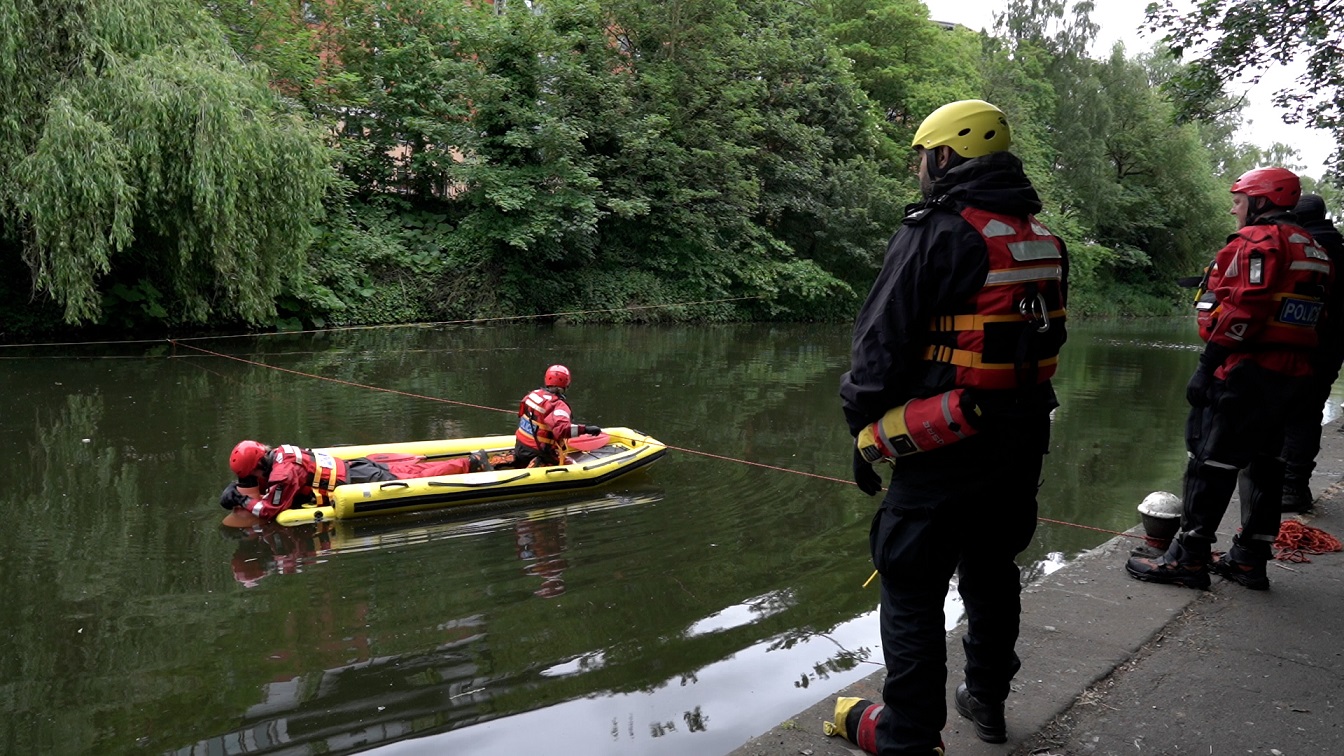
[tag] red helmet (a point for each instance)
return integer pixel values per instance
(557, 376)
(245, 457)
(1279, 186)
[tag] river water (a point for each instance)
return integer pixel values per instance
(682, 610)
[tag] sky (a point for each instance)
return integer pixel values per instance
(1123, 21)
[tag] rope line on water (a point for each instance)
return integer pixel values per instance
(685, 450)
(337, 380)
(427, 324)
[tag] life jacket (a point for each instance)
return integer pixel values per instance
(1008, 335)
(532, 431)
(325, 472)
(1297, 279)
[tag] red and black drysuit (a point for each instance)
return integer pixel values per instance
(544, 421)
(946, 311)
(290, 475)
(1302, 435)
(1263, 300)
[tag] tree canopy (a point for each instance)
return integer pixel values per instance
(143, 161)
(276, 164)
(1226, 40)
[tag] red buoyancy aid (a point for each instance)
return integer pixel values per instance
(1270, 294)
(325, 472)
(1008, 334)
(536, 407)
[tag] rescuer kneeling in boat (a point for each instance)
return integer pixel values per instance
(1258, 311)
(273, 479)
(544, 422)
(949, 384)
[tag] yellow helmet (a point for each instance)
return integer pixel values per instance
(972, 128)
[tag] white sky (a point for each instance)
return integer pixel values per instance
(1122, 20)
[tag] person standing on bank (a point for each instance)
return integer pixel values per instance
(1262, 300)
(952, 356)
(544, 422)
(1302, 437)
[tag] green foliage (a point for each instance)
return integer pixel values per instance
(139, 152)
(1227, 39)
(440, 160)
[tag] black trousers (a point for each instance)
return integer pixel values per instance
(969, 509)
(1236, 441)
(1302, 434)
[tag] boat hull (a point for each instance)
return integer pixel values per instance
(626, 451)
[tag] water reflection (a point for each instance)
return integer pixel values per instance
(678, 612)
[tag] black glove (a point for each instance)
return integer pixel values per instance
(592, 430)
(864, 475)
(232, 497)
(1197, 391)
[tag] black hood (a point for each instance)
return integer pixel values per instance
(994, 181)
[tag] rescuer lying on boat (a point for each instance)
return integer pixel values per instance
(273, 479)
(544, 423)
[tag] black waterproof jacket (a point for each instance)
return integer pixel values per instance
(934, 262)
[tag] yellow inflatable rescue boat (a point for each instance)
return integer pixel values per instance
(621, 452)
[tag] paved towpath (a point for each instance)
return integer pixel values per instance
(1111, 665)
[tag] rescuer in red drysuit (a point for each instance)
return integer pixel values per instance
(1263, 299)
(544, 422)
(273, 479)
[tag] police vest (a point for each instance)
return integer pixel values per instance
(533, 431)
(1008, 334)
(1295, 269)
(325, 472)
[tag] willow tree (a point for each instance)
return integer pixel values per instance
(143, 162)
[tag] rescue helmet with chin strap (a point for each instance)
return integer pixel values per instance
(246, 456)
(557, 376)
(972, 128)
(1280, 187)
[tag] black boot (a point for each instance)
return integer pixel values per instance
(1296, 499)
(988, 719)
(1179, 566)
(479, 462)
(1243, 566)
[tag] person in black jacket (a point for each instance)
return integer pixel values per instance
(949, 384)
(1302, 437)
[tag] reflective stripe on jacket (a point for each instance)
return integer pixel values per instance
(1008, 335)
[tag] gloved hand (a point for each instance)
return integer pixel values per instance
(864, 475)
(1197, 390)
(232, 497)
(592, 430)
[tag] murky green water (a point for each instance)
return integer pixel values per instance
(682, 611)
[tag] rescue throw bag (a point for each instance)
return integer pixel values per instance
(920, 425)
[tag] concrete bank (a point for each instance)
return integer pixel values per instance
(1111, 665)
